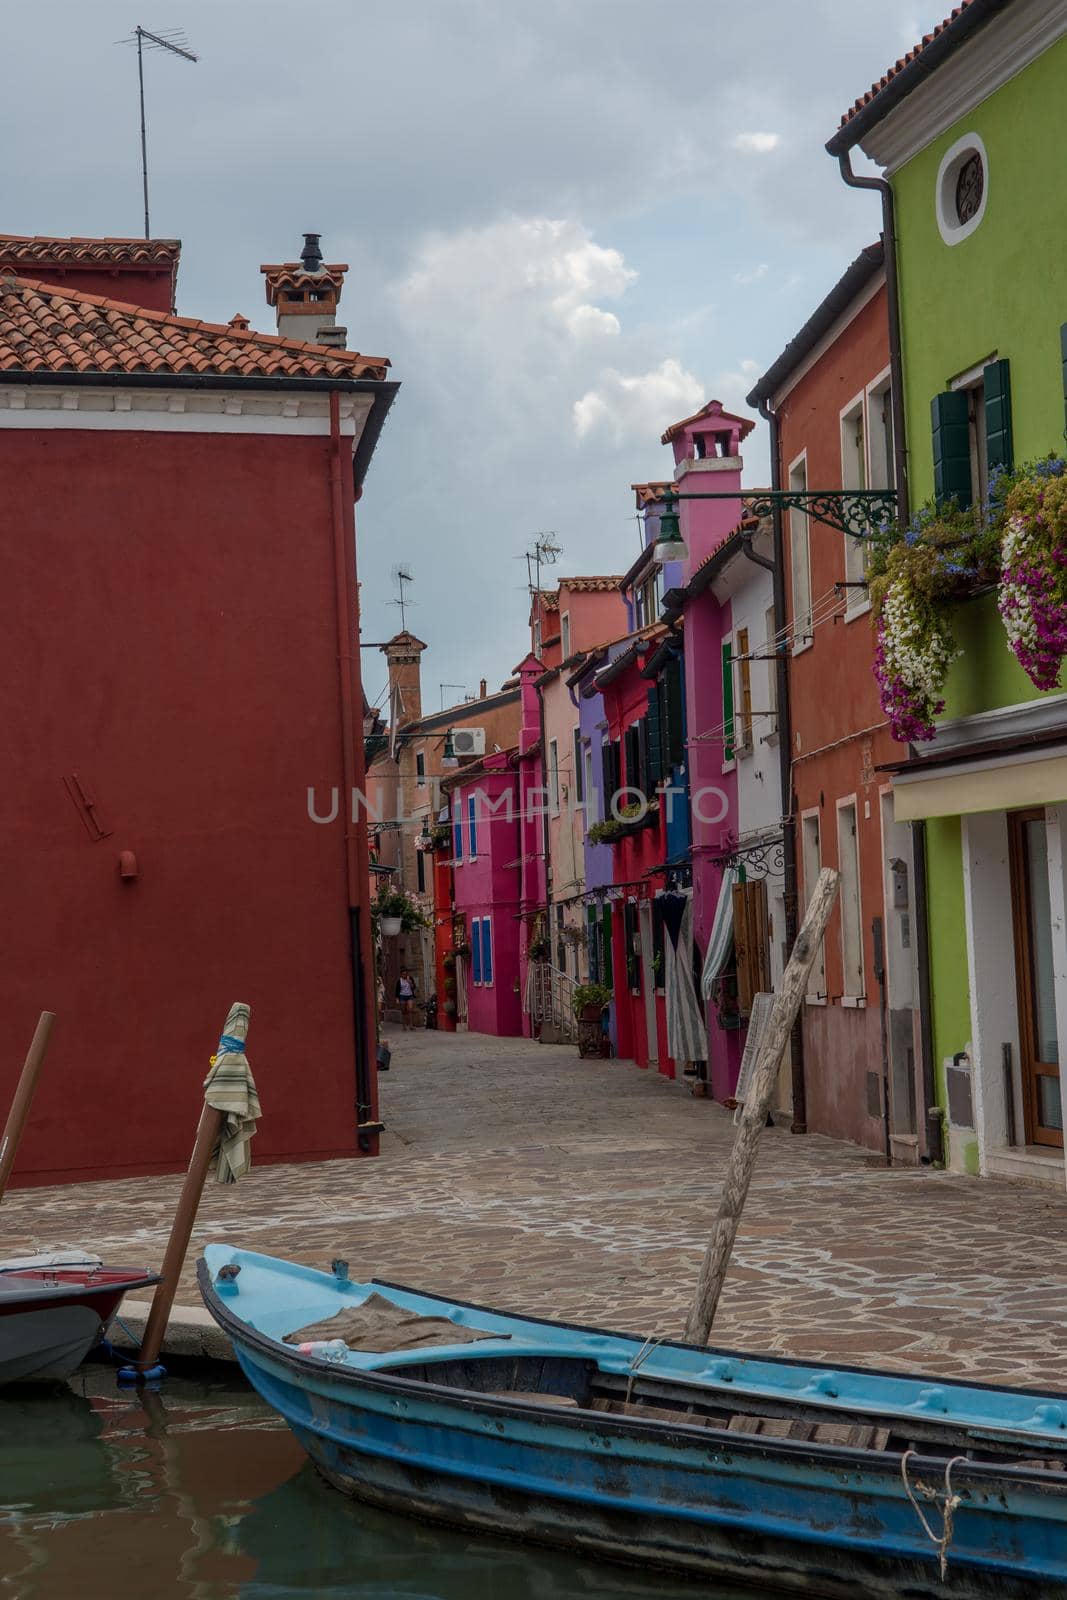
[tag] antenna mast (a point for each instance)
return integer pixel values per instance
(175, 41)
(402, 575)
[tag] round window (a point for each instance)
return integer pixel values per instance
(962, 188)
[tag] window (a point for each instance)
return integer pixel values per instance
(420, 767)
(962, 189)
(799, 559)
(727, 702)
(811, 851)
(420, 871)
(771, 650)
(675, 713)
(472, 825)
(565, 634)
(537, 637)
(588, 790)
(880, 464)
(457, 830)
(553, 776)
(649, 598)
(476, 950)
(972, 432)
(743, 721)
(851, 915)
(487, 950)
(579, 769)
(854, 476)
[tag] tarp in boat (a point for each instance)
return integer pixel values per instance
(378, 1326)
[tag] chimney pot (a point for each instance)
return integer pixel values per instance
(311, 255)
(481, 690)
(330, 333)
(239, 323)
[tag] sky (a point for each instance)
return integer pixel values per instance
(568, 224)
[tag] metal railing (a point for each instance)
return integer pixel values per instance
(551, 1001)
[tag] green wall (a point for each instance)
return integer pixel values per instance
(1004, 288)
(1002, 291)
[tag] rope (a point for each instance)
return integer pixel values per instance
(639, 1360)
(949, 1503)
(230, 1045)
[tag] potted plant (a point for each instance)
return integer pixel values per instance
(589, 1000)
(539, 950)
(449, 984)
(394, 913)
(450, 1008)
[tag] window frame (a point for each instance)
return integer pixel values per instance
(851, 916)
(810, 872)
(743, 730)
(800, 538)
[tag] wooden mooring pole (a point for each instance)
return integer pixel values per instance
(757, 1103)
(20, 1106)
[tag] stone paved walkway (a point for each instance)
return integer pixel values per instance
(518, 1175)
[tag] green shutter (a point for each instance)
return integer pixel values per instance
(606, 975)
(654, 737)
(997, 381)
(727, 703)
(675, 716)
(952, 446)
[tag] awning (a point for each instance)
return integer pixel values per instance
(721, 937)
(997, 784)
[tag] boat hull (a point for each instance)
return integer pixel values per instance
(835, 1523)
(51, 1318)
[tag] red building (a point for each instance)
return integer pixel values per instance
(180, 692)
(830, 398)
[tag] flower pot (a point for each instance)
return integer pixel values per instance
(591, 1012)
(391, 926)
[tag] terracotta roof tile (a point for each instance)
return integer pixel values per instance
(650, 494)
(294, 275)
(962, 20)
(21, 249)
(591, 585)
(713, 411)
(48, 329)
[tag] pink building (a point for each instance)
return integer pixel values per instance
(498, 816)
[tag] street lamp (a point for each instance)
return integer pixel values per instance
(669, 545)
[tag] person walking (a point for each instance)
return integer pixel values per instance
(405, 994)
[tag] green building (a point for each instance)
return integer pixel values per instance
(968, 132)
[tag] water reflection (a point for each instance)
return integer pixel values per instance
(200, 1493)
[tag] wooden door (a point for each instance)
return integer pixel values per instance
(1035, 978)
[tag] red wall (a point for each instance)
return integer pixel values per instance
(168, 633)
(834, 700)
(134, 287)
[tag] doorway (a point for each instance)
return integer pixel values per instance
(648, 982)
(1035, 971)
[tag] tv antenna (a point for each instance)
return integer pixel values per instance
(545, 553)
(174, 41)
(402, 575)
(444, 686)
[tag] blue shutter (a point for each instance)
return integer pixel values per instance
(654, 737)
(996, 379)
(952, 446)
(487, 950)
(457, 829)
(476, 950)
(472, 824)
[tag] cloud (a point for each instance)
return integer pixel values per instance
(637, 407)
(588, 322)
(755, 144)
(754, 275)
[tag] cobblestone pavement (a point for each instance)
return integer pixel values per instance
(517, 1175)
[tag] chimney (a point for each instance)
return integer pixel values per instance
(305, 295)
(481, 689)
(402, 652)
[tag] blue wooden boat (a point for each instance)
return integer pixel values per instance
(831, 1481)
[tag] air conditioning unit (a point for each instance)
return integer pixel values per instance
(468, 741)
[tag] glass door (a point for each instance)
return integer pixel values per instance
(1035, 977)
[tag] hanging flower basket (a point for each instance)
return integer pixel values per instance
(1032, 598)
(391, 926)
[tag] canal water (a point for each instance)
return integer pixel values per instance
(198, 1492)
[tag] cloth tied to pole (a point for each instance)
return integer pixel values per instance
(230, 1088)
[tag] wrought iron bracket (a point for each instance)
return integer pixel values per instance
(859, 512)
(763, 858)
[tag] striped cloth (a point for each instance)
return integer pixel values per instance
(721, 937)
(230, 1088)
(686, 1034)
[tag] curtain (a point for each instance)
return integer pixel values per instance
(686, 1036)
(721, 937)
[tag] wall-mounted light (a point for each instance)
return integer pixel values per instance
(669, 545)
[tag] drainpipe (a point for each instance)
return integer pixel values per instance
(892, 293)
(546, 838)
(934, 1127)
(776, 566)
(357, 863)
